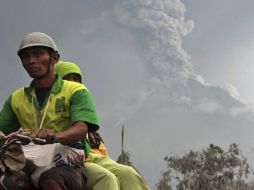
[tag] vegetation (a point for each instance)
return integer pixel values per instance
(209, 169)
(164, 182)
(124, 157)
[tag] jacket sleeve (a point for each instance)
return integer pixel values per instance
(8, 120)
(83, 109)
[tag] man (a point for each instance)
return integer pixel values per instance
(128, 178)
(59, 111)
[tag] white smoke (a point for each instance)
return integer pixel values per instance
(159, 27)
(163, 23)
(232, 90)
(163, 27)
(171, 108)
(184, 100)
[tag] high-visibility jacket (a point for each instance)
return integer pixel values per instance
(67, 103)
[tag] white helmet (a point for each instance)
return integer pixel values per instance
(37, 39)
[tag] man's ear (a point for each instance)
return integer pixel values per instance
(55, 58)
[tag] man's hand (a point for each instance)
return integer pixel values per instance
(74, 134)
(2, 135)
(46, 134)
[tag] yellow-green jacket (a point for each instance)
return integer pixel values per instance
(67, 103)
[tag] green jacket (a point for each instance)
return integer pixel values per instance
(67, 103)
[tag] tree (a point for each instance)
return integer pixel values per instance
(210, 169)
(124, 157)
(164, 183)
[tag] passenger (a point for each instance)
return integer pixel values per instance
(128, 178)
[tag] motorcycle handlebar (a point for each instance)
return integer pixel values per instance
(29, 139)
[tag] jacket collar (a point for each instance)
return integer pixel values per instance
(55, 89)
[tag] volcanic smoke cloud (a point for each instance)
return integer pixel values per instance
(171, 73)
(181, 110)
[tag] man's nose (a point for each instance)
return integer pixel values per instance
(31, 60)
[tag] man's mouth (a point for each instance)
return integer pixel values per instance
(34, 68)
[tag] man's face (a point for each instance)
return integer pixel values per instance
(73, 77)
(36, 61)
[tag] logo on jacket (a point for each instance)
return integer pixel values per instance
(60, 105)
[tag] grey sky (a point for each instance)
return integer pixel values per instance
(139, 74)
(221, 43)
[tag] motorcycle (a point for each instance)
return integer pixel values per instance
(23, 159)
(14, 167)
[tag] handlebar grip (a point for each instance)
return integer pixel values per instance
(39, 141)
(29, 139)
